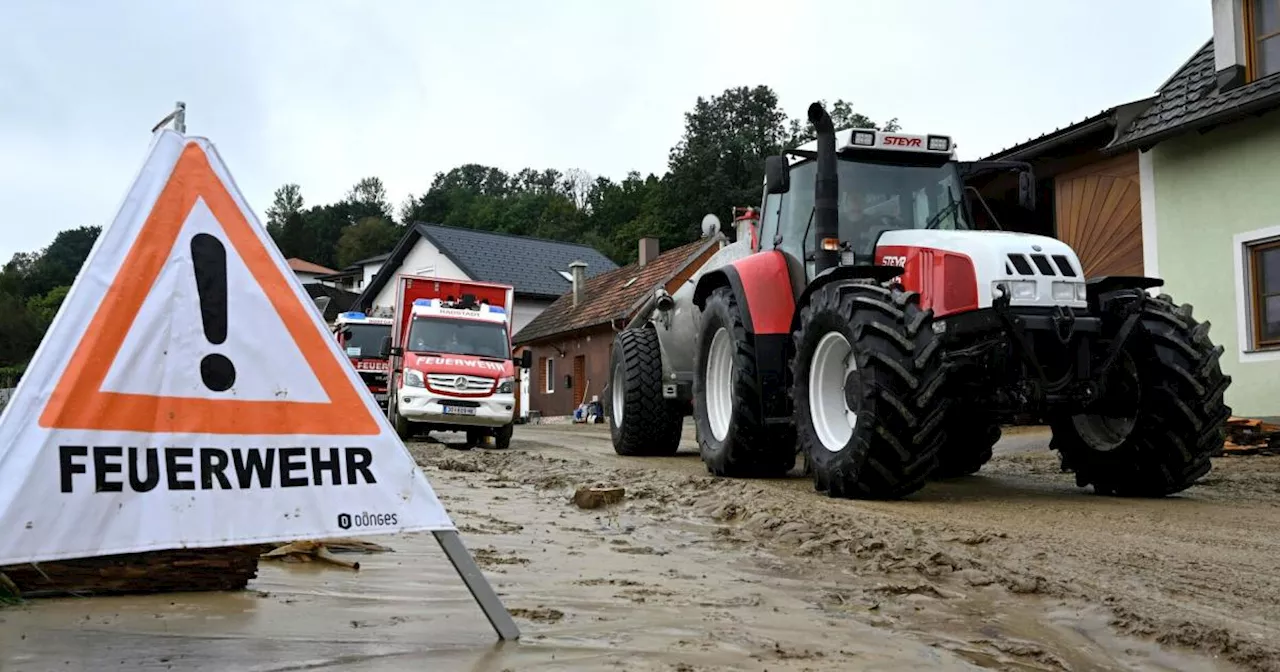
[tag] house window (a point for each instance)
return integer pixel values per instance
(1262, 37)
(1264, 293)
(548, 375)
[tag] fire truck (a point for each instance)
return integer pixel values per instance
(451, 361)
(361, 337)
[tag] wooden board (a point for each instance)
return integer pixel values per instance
(1099, 213)
(180, 570)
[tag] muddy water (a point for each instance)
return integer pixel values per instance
(680, 577)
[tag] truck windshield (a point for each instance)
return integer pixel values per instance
(458, 337)
(365, 339)
(877, 196)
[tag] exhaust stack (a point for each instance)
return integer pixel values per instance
(826, 223)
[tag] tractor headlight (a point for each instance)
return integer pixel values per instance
(413, 378)
(1017, 289)
(1082, 292)
(1068, 291)
(506, 385)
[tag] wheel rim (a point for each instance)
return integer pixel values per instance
(619, 395)
(720, 383)
(1105, 433)
(832, 419)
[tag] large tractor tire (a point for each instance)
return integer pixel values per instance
(1169, 379)
(971, 435)
(732, 435)
(641, 421)
(868, 385)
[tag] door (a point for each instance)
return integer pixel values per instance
(1099, 214)
(579, 379)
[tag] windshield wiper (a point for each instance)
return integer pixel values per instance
(950, 208)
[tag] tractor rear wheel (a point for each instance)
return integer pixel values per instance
(1168, 374)
(971, 435)
(732, 435)
(867, 384)
(641, 421)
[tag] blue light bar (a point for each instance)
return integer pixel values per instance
(353, 315)
(497, 309)
(422, 302)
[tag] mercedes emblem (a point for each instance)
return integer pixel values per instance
(460, 383)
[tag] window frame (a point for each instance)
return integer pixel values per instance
(1253, 253)
(1252, 39)
(548, 375)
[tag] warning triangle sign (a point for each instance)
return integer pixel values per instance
(188, 394)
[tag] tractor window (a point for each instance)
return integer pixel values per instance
(874, 197)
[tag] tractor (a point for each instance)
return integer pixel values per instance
(869, 327)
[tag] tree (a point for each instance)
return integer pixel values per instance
(370, 237)
(719, 161)
(288, 201)
(368, 198)
(800, 130)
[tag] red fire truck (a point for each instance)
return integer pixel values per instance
(451, 361)
(361, 337)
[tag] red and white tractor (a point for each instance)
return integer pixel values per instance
(869, 326)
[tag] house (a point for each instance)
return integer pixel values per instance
(572, 340)
(538, 269)
(1209, 147)
(356, 277)
(1085, 197)
(306, 271)
(330, 300)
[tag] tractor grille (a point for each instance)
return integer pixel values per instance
(1021, 264)
(449, 381)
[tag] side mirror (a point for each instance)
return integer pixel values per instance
(1027, 190)
(385, 350)
(345, 334)
(525, 361)
(777, 178)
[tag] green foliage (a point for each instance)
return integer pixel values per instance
(368, 238)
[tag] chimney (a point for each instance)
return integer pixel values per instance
(578, 271)
(648, 250)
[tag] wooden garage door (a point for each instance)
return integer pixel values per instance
(579, 379)
(1099, 213)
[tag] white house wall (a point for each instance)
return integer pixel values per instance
(527, 309)
(424, 259)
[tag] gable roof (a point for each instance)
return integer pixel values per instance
(1191, 100)
(612, 295)
(530, 265)
(303, 266)
(339, 299)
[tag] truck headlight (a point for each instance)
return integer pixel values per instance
(413, 378)
(506, 385)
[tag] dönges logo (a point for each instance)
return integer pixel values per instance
(347, 521)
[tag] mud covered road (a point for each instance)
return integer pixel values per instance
(1015, 568)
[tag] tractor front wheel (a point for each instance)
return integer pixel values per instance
(868, 390)
(732, 435)
(1163, 413)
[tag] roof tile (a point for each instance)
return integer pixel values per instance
(609, 296)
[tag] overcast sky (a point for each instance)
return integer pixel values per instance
(322, 93)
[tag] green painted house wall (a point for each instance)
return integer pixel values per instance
(1207, 190)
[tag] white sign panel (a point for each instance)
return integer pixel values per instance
(189, 395)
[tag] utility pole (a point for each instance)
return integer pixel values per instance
(178, 116)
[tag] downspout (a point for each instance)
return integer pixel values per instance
(826, 223)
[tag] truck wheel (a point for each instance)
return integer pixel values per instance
(732, 436)
(868, 378)
(403, 428)
(502, 437)
(970, 438)
(641, 422)
(1169, 375)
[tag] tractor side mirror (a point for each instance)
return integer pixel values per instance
(777, 178)
(525, 360)
(1027, 190)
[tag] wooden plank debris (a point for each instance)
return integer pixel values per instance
(1251, 436)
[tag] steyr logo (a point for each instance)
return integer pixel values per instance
(895, 260)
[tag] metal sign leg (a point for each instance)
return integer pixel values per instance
(479, 586)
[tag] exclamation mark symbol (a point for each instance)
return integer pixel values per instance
(210, 260)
